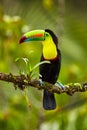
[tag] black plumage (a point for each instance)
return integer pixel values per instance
(49, 73)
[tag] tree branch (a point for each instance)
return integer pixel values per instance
(22, 81)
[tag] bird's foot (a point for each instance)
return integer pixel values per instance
(60, 85)
(40, 82)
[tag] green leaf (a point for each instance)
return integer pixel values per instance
(27, 64)
(36, 66)
(40, 63)
(28, 69)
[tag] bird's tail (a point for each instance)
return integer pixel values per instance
(49, 102)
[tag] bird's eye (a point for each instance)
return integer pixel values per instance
(46, 34)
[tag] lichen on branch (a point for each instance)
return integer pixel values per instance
(22, 81)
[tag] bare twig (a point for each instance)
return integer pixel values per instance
(22, 81)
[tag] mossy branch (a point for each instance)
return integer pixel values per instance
(22, 81)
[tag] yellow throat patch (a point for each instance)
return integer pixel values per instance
(49, 49)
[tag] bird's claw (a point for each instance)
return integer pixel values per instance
(40, 82)
(61, 85)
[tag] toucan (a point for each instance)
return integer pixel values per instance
(49, 71)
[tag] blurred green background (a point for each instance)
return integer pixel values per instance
(68, 19)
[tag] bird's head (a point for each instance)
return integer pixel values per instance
(39, 35)
(48, 40)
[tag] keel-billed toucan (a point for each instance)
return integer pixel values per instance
(48, 72)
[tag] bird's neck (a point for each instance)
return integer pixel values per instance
(49, 49)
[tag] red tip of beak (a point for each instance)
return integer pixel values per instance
(23, 38)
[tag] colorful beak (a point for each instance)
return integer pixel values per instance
(36, 35)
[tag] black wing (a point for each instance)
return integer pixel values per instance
(50, 71)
